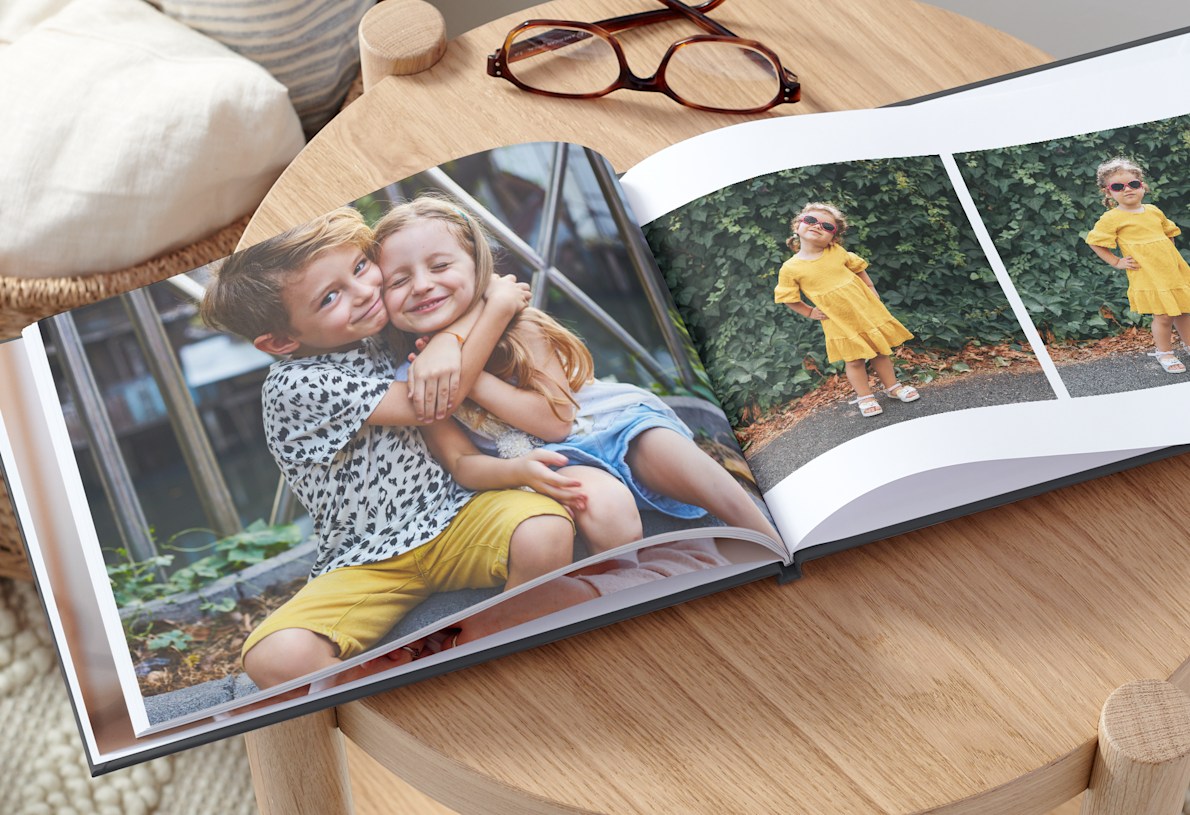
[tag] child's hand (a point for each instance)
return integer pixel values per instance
(1127, 262)
(434, 377)
(505, 289)
(816, 314)
(534, 472)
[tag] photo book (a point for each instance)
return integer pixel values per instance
(513, 397)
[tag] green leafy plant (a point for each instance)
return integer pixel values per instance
(136, 582)
(175, 638)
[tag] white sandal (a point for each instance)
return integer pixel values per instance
(1169, 361)
(905, 393)
(868, 406)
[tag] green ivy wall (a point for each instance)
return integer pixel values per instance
(721, 254)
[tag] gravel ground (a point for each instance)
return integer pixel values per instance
(1117, 373)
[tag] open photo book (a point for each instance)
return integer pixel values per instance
(514, 397)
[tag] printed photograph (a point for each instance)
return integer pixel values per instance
(1089, 228)
(830, 301)
(374, 421)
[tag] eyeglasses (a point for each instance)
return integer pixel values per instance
(717, 72)
(810, 220)
(1134, 184)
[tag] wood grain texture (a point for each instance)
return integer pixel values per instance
(959, 669)
(862, 53)
(300, 766)
(1142, 764)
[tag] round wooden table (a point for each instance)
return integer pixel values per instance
(958, 669)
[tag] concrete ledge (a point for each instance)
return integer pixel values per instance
(250, 582)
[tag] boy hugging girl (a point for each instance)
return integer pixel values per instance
(393, 526)
(386, 473)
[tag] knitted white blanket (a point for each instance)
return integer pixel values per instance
(42, 768)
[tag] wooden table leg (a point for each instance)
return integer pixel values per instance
(300, 766)
(1142, 765)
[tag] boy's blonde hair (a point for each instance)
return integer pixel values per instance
(794, 242)
(244, 297)
(512, 360)
(1119, 164)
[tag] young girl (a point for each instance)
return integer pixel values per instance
(436, 261)
(1158, 277)
(855, 323)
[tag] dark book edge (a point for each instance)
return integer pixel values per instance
(713, 587)
(1045, 66)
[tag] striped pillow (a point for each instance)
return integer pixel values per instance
(310, 46)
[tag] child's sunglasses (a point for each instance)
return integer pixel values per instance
(1134, 184)
(810, 220)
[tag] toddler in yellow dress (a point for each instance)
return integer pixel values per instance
(1158, 277)
(856, 325)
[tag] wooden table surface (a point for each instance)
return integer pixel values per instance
(959, 669)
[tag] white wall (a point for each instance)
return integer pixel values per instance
(1060, 27)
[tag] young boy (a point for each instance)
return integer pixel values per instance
(393, 526)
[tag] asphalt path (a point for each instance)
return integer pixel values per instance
(834, 424)
(1118, 373)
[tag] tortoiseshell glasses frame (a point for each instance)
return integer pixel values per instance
(558, 34)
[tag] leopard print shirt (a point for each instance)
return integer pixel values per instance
(372, 492)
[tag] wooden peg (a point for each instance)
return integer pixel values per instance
(1142, 765)
(400, 37)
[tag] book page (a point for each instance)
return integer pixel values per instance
(631, 581)
(961, 228)
(214, 479)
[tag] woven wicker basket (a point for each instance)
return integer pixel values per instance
(24, 301)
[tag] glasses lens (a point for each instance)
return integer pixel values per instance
(722, 75)
(810, 220)
(565, 61)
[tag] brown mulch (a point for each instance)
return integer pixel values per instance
(915, 367)
(214, 652)
(1129, 341)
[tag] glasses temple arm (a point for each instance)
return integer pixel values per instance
(676, 11)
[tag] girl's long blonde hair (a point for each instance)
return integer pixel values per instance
(512, 359)
(794, 242)
(1119, 164)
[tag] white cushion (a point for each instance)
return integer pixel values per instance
(125, 134)
(311, 46)
(17, 18)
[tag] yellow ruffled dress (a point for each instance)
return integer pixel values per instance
(1162, 283)
(858, 326)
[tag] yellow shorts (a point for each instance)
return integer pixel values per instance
(354, 606)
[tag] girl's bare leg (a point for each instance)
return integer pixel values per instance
(611, 518)
(883, 367)
(1163, 331)
(857, 375)
(538, 545)
(673, 465)
(1182, 323)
